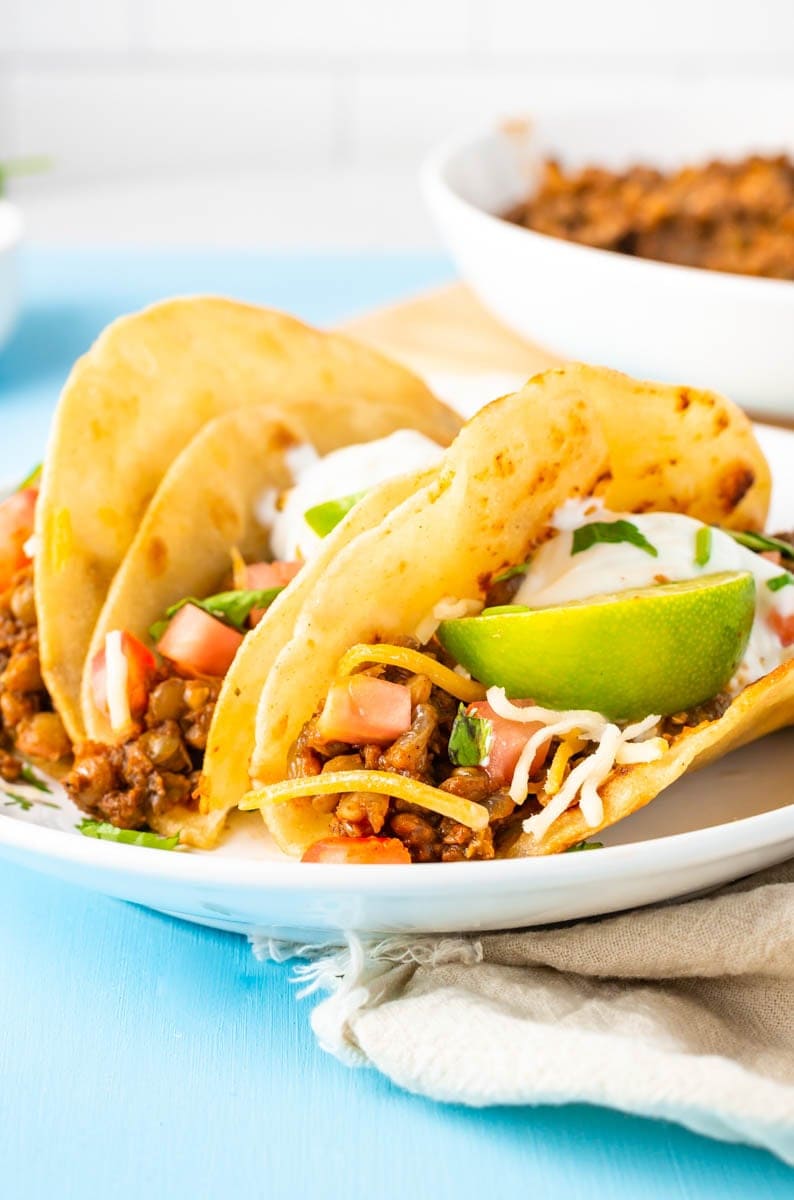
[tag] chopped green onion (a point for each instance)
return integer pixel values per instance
(323, 518)
(511, 572)
(611, 531)
(30, 776)
(759, 542)
(703, 539)
(585, 846)
(130, 837)
(470, 739)
(779, 581)
(233, 608)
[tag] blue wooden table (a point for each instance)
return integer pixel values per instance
(140, 1056)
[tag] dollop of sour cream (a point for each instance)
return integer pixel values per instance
(556, 576)
(336, 475)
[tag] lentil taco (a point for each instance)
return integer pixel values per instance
(576, 609)
(149, 384)
(198, 576)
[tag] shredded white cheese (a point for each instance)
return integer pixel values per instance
(447, 609)
(613, 746)
(116, 680)
(31, 546)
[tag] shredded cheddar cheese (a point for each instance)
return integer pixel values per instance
(385, 783)
(562, 755)
(239, 576)
(466, 690)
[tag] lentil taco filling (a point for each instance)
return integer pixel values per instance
(28, 722)
(160, 702)
(420, 753)
(723, 216)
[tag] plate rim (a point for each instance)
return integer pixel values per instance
(207, 868)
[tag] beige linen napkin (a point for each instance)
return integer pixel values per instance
(683, 1011)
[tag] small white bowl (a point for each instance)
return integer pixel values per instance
(732, 333)
(11, 227)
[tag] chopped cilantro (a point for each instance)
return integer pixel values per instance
(233, 608)
(703, 539)
(20, 801)
(470, 739)
(130, 837)
(30, 776)
(780, 581)
(585, 846)
(13, 798)
(610, 531)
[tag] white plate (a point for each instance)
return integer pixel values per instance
(718, 825)
(654, 320)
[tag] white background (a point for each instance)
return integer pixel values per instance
(301, 122)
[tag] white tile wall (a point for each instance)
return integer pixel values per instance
(333, 28)
(65, 25)
(681, 29)
(119, 87)
(97, 120)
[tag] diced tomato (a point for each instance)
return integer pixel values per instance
(263, 575)
(357, 850)
(509, 739)
(773, 556)
(199, 644)
(16, 526)
(141, 666)
(363, 709)
(783, 627)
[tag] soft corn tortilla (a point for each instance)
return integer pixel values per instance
(134, 401)
(204, 507)
(231, 740)
(569, 432)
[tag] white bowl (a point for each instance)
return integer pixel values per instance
(10, 237)
(732, 333)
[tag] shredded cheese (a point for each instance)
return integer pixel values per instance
(239, 577)
(385, 783)
(412, 660)
(564, 752)
(116, 680)
(613, 746)
(447, 609)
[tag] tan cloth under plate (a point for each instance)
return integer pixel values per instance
(684, 1011)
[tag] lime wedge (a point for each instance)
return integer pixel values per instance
(660, 649)
(325, 517)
